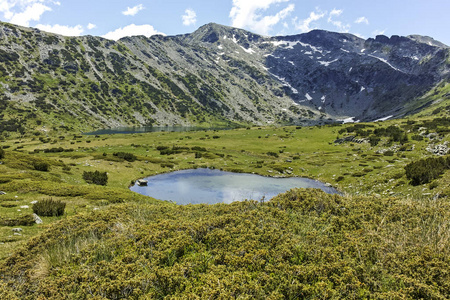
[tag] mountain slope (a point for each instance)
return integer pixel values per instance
(215, 75)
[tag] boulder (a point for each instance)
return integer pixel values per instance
(37, 219)
(440, 149)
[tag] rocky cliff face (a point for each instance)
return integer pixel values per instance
(216, 75)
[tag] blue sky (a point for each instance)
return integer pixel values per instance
(114, 19)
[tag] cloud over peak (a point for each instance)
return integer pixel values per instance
(189, 18)
(62, 29)
(305, 25)
(131, 30)
(32, 12)
(248, 14)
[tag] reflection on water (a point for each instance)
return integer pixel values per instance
(214, 186)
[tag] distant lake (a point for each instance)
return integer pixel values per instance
(214, 186)
(129, 130)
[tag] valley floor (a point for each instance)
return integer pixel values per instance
(384, 238)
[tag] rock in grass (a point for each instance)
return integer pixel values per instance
(17, 229)
(37, 219)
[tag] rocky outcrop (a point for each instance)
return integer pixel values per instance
(440, 149)
(351, 138)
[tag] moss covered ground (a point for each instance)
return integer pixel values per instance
(383, 238)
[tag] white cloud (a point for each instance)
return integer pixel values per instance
(91, 26)
(379, 32)
(248, 14)
(189, 18)
(22, 12)
(336, 12)
(132, 30)
(338, 24)
(305, 25)
(62, 29)
(362, 20)
(131, 11)
(32, 12)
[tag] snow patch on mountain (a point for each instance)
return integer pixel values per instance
(327, 63)
(285, 83)
(386, 62)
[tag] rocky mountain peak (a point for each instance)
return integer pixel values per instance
(216, 74)
(427, 40)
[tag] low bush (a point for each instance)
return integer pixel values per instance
(41, 166)
(198, 148)
(274, 154)
(96, 177)
(126, 156)
(167, 165)
(389, 153)
(24, 220)
(425, 170)
(374, 140)
(49, 208)
(8, 204)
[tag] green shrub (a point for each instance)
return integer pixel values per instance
(425, 170)
(389, 153)
(8, 204)
(167, 165)
(374, 140)
(96, 177)
(41, 166)
(49, 208)
(340, 178)
(24, 220)
(274, 154)
(198, 148)
(2, 153)
(126, 156)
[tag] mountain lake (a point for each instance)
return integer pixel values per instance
(210, 186)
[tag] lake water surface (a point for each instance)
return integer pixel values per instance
(215, 186)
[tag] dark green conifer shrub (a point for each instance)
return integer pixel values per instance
(126, 156)
(274, 154)
(41, 166)
(389, 153)
(426, 170)
(23, 220)
(374, 140)
(49, 208)
(96, 177)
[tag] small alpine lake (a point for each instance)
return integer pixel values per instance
(210, 186)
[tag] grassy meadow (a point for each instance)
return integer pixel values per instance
(383, 237)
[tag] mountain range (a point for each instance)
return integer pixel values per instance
(215, 75)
